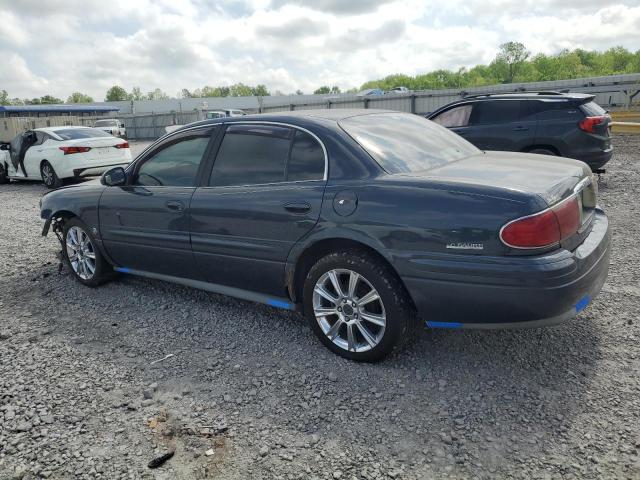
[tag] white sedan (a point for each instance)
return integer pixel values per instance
(55, 153)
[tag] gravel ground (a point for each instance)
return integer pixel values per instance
(240, 390)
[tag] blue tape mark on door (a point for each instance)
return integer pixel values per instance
(582, 303)
(443, 324)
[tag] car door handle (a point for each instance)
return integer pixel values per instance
(297, 207)
(520, 128)
(175, 205)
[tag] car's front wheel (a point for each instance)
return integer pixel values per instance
(357, 306)
(82, 255)
(49, 176)
(4, 178)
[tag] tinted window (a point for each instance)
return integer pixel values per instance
(76, 133)
(175, 165)
(495, 111)
(107, 123)
(251, 155)
(592, 109)
(456, 117)
(307, 159)
(401, 142)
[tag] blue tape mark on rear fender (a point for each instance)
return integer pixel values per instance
(280, 304)
(444, 324)
(122, 269)
(582, 303)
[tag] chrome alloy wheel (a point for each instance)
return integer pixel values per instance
(349, 310)
(81, 253)
(47, 174)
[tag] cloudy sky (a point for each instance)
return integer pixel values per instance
(60, 46)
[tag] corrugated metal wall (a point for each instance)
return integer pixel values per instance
(609, 91)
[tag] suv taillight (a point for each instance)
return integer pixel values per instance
(545, 228)
(588, 123)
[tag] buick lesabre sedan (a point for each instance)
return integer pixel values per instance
(371, 223)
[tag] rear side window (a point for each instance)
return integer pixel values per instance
(175, 165)
(496, 111)
(592, 109)
(307, 159)
(251, 155)
(456, 117)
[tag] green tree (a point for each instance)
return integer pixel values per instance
(136, 94)
(513, 55)
(335, 89)
(77, 97)
(157, 94)
(322, 90)
(116, 94)
(299, 92)
(261, 91)
(184, 93)
(240, 90)
(4, 97)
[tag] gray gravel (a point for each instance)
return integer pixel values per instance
(240, 390)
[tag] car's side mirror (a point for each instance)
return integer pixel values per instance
(114, 177)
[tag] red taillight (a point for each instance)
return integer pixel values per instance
(543, 229)
(587, 124)
(70, 150)
(122, 145)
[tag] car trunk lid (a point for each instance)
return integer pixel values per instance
(101, 147)
(553, 179)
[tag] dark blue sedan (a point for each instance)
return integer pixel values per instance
(372, 223)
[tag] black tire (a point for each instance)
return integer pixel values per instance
(102, 272)
(543, 151)
(3, 175)
(49, 176)
(401, 321)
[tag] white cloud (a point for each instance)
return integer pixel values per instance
(58, 47)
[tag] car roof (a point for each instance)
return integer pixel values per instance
(55, 129)
(320, 116)
(547, 94)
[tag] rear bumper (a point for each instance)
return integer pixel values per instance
(464, 291)
(596, 159)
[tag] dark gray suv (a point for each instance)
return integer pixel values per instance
(563, 124)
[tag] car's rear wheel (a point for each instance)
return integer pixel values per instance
(357, 306)
(49, 176)
(82, 255)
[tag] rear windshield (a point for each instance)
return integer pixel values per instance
(107, 123)
(403, 143)
(592, 109)
(76, 133)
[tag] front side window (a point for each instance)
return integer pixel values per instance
(175, 165)
(456, 117)
(251, 155)
(403, 143)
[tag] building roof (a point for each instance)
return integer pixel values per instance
(57, 108)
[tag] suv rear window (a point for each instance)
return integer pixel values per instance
(592, 109)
